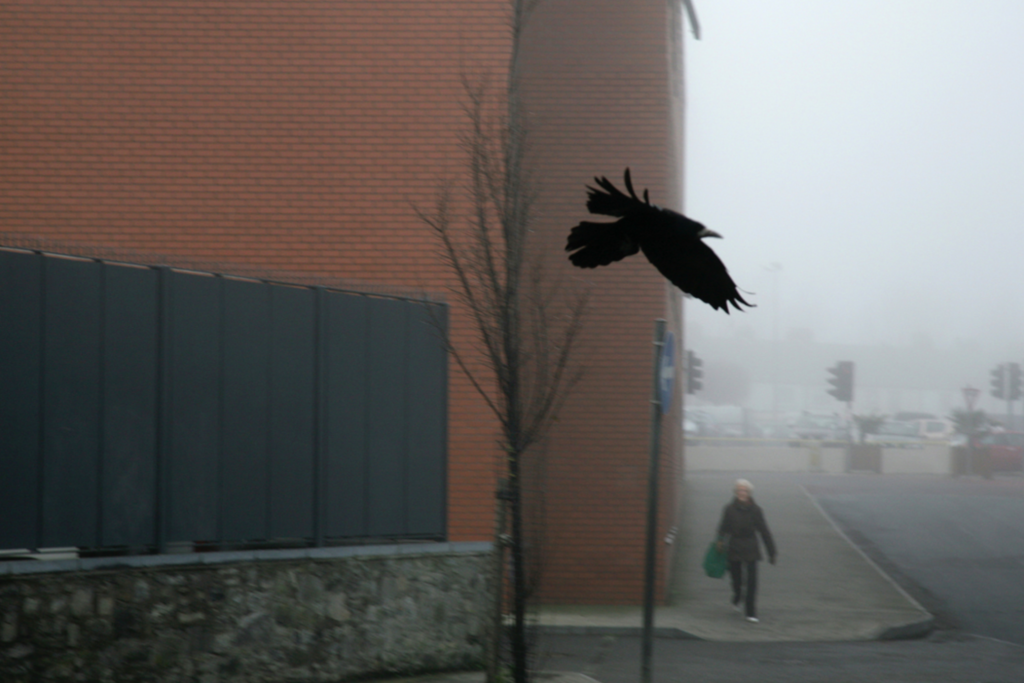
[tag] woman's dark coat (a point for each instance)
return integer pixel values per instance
(741, 523)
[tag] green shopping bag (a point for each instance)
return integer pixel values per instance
(714, 561)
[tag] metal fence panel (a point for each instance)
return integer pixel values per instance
(141, 406)
(386, 418)
(193, 481)
(292, 376)
(129, 425)
(246, 401)
(71, 402)
(345, 414)
(21, 296)
(426, 384)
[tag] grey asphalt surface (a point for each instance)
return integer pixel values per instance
(957, 545)
(615, 659)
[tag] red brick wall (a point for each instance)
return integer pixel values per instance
(597, 78)
(287, 134)
(300, 135)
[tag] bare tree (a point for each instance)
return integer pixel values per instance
(527, 328)
(970, 423)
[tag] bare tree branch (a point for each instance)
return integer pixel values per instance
(528, 328)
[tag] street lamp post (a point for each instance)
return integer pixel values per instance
(970, 398)
(775, 268)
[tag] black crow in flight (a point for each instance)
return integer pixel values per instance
(669, 240)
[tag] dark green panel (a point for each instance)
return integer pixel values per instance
(246, 409)
(21, 295)
(292, 412)
(129, 406)
(386, 421)
(71, 402)
(345, 414)
(193, 464)
(427, 401)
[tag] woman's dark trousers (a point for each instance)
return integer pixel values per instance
(736, 572)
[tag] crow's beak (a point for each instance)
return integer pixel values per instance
(708, 233)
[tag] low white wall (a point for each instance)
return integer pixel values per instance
(928, 460)
(931, 459)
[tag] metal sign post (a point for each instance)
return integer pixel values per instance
(666, 372)
(970, 397)
(661, 398)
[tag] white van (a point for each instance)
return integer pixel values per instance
(935, 429)
(895, 433)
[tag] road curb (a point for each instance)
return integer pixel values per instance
(911, 631)
(667, 632)
(915, 629)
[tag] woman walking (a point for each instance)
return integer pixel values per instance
(742, 521)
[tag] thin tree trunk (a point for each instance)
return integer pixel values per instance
(526, 347)
(497, 583)
(519, 670)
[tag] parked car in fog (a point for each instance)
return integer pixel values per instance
(895, 433)
(775, 430)
(819, 427)
(935, 429)
(1005, 450)
(698, 424)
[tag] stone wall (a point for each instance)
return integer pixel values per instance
(307, 615)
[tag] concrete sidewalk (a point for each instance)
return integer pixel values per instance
(822, 589)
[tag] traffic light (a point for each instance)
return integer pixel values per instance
(1013, 381)
(842, 380)
(999, 382)
(693, 373)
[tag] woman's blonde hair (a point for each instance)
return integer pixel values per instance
(745, 484)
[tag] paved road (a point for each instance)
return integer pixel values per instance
(615, 659)
(957, 545)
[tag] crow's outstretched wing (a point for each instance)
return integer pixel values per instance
(599, 244)
(611, 201)
(693, 267)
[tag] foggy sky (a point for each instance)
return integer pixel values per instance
(875, 151)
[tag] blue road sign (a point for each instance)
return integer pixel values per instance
(668, 373)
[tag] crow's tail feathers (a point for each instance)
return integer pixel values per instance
(611, 201)
(599, 244)
(736, 300)
(722, 302)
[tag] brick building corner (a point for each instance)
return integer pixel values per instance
(301, 135)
